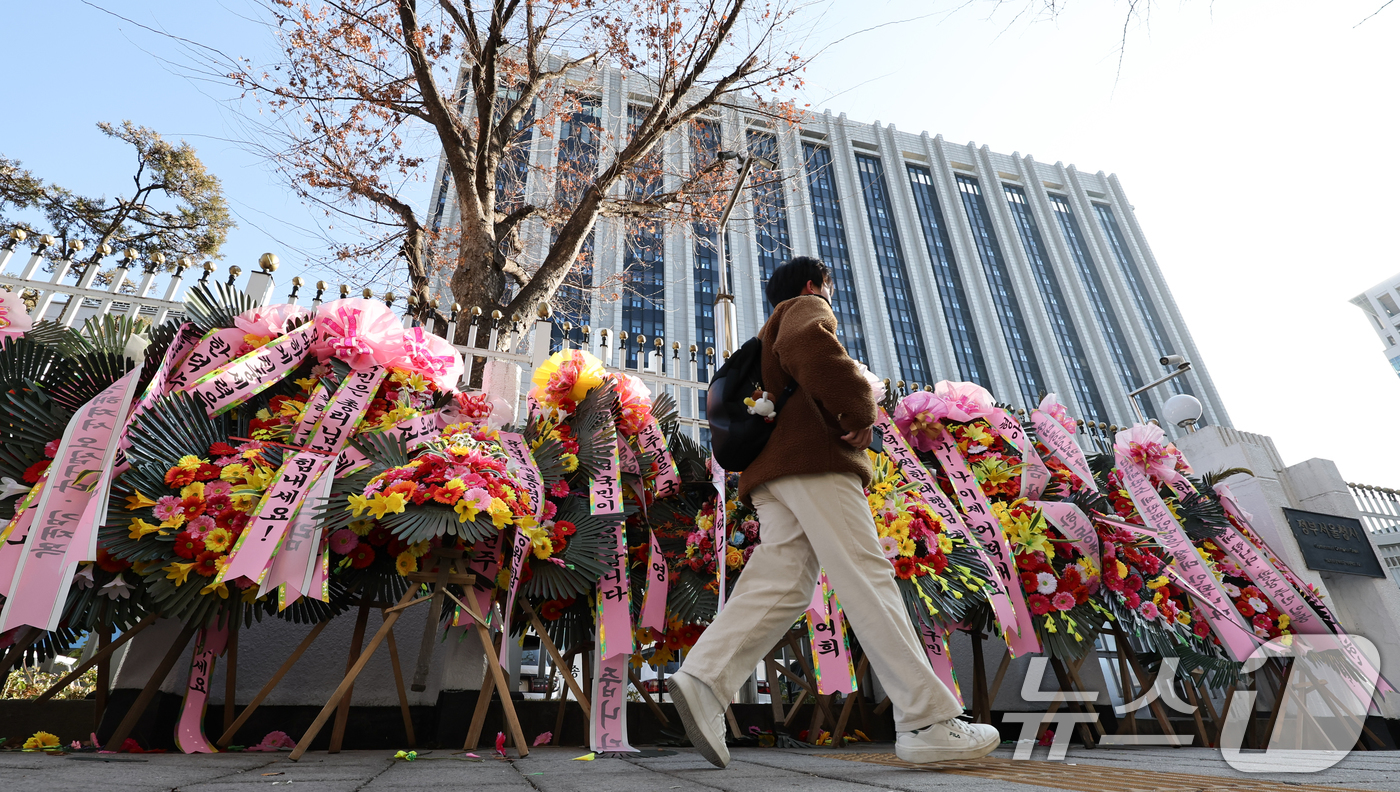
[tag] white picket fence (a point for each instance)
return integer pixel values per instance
(69, 297)
(506, 349)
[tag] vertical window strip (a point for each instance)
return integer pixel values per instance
(1137, 286)
(769, 208)
(1128, 375)
(578, 161)
(831, 247)
(957, 311)
(643, 255)
(894, 273)
(994, 267)
(704, 143)
(1053, 297)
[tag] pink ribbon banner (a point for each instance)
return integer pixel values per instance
(1020, 634)
(485, 563)
(184, 342)
(1238, 639)
(189, 730)
(316, 404)
(214, 349)
(721, 540)
(16, 531)
(1061, 443)
(653, 444)
(1074, 524)
(831, 653)
(228, 386)
(253, 553)
(936, 647)
(614, 595)
(294, 566)
(516, 447)
(914, 470)
(607, 729)
(1034, 474)
(605, 491)
(628, 459)
(519, 552)
(63, 529)
(653, 614)
(349, 404)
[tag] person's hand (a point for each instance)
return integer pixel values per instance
(860, 439)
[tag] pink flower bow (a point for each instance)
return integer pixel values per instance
(1050, 405)
(269, 321)
(917, 417)
(966, 401)
(1143, 444)
(14, 315)
(432, 356)
(363, 333)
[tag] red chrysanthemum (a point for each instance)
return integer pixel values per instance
(362, 556)
(188, 545)
(905, 568)
(222, 449)
(34, 471)
(206, 564)
(1039, 603)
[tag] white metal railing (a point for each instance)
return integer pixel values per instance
(1379, 506)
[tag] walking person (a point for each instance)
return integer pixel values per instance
(808, 488)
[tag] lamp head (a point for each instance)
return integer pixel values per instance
(1184, 410)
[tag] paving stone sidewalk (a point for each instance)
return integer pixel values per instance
(753, 770)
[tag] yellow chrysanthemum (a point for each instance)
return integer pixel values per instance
(1122, 569)
(944, 543)
(218, 539)
(193, 490)
(906, 547)
(1284, 620)
(1182, 617)
(883, 488)
(190, 462)
(234, 472)
(539, 540)
(41, 741)
(419, 549)
(1158, 582)
(405, 562)
(569, 462)
(1086, 565)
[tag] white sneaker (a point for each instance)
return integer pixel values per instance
(948, 740)
(703, 715)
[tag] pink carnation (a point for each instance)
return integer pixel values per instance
(1149, 610)
(1063, 601)
(343, 541)
(200, 526)
(168, 507)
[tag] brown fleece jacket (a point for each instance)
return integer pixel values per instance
(832, 397)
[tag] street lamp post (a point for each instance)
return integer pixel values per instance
(1182, 366)
(725, 317)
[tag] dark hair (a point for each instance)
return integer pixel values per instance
(791, 277)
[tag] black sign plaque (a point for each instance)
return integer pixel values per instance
(1334, 544)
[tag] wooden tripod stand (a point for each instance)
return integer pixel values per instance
(451, 569)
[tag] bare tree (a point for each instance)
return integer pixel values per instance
(366, 89)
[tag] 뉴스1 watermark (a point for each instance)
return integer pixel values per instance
(1330, 682)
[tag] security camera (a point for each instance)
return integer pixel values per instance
(1172, 360)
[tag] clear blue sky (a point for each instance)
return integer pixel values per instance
(1255, 138)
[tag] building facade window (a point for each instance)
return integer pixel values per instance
(831, 247)
(769, 208)
(644, 254)
(893, 272)
(704, 146)
(577, 166)
(1138, 286)
(1114, 338)
(994, 266)
(1067, 340)
(957, 311)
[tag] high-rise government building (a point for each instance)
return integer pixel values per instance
(1382, 304)
(950, 261)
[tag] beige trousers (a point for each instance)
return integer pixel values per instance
(809, 523)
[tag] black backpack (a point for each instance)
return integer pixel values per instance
(738, 436)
